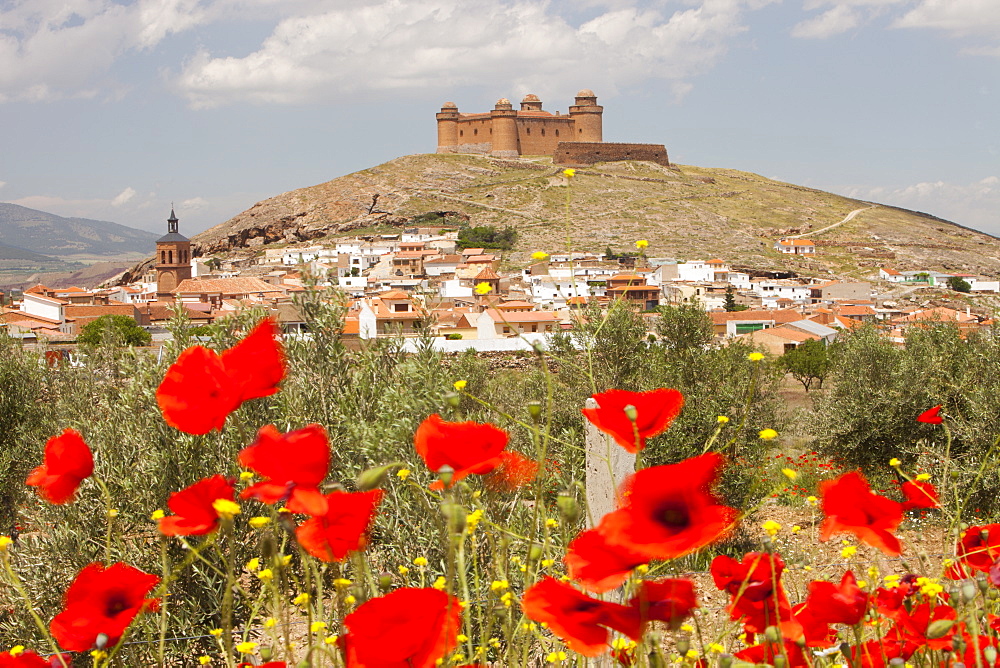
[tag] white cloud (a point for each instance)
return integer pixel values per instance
(64, 48)
(975, 204)
(520, 45)
(194, 203)
(2, 184)
(961, 19)
(123, 197)
(831, 22)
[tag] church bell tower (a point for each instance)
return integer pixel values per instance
(173, 260)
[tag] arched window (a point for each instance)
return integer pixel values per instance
(543, 132)
(527, 130)
(557, 133)
(170, 257)
(475, 131)
(163, 257)
(461, 133)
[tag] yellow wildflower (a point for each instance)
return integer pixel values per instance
(253, 564)
(285, 560)
(157, 515)
(99, 655)
(483, 288)
(246, 647)
(771, 528)
(642, 569)
(848, 552)
(440, 583)
(755, 357)
(641, 244)
(687, 628)
(768, 434)
(227, 509)
(796, 528)
(716, 648)
(16, 650)
(539, 255)
(403, 570)
(259, 521)
(350, 600)
(266, 575)
(460, 385)
(722, 419)
(497, 585)
(4, 542)
(791, 474)
(420, 561)
(301, 599)
(923, 476)
(569, 172)
(113, 513)
(342, 583)
(204, 660)
(812, 500)
(692, 654)
(215, 632)
(556, 657)
(403, 474)
(894, 462)
(316, 627)
(546, 563)
(551, 523)
(462, 638)
(246, 475)
(507, 599)
(270, 623)
(331, 640)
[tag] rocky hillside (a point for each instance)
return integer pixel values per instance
(49, 234)
(684, 212)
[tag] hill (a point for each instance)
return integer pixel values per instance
(684, 212)
(49, 234)
(8, 253)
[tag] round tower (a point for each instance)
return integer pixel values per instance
(531, 103)
(587, 117)
(447, 120)
(504, 121)
(173, 259)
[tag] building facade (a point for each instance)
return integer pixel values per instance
(173, 259)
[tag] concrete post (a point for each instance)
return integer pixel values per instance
(607, 465)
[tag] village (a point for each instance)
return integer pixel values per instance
(419, 281)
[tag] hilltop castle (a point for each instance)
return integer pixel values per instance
(505, 132)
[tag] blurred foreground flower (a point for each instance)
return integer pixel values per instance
(67, 463)
(654, 412)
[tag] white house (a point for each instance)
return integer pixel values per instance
(795, 246)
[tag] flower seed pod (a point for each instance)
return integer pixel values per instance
(535, 553)
(683, 645)
(939, 629)
(535, 410)
(990, 654)
(968, 591)
(446, 474)
(265, 653)
(568, 508)
(772, 634)
(453, 399)
(455, 514)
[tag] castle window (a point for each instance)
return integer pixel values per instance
(543, 132)
(476, 131)
(170, 257)
(557, 133)
(461, 133)
(528, 130)
(581, 130)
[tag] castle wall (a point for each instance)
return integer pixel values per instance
(539, 136)
(588, 153)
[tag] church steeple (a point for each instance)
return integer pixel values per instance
(173, 265)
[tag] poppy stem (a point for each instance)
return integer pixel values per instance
(165, 569)
(227, 593)
(19, 587)
(108, 516)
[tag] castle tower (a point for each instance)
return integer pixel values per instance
(173, 259)
(587, 117)
(531, 103)
(447, 120)
(504, 121)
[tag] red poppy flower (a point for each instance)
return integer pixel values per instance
(102, 601)
(406, 628)
(25, 660)
(654, 411)
(920, 494)
(979, 547)
(194, 513)
(578, 619)
(766, 652)
(467, 447)
(931, 416)
(851, 507)
(344, 527)
(754, 585)
(843, 604)
(975, 645)
(294, 464)
(806, 625)
(874, 654)
(669, 511)
(597, 566)
(202, 388)
(512, 473)
(670, 601)
(912, 626)
(67, 463)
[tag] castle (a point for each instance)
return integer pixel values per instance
(505, 132)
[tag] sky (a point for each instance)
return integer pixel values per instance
(116, 110)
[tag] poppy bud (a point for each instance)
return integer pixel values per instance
(780, 662)
(683, 645)
(374, 477)
(968, 592)
(535, 410)
(939, 629)
(772, 634)
(453, 399)
(265, 653)
(446, 474)
(385, 582)
(631, 413)
(990, 654)
(993, 595)
(535, 553)
(984, 586)
(455, 514)
(568, 507)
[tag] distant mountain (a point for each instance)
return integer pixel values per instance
(49, 234)
(14, 253)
